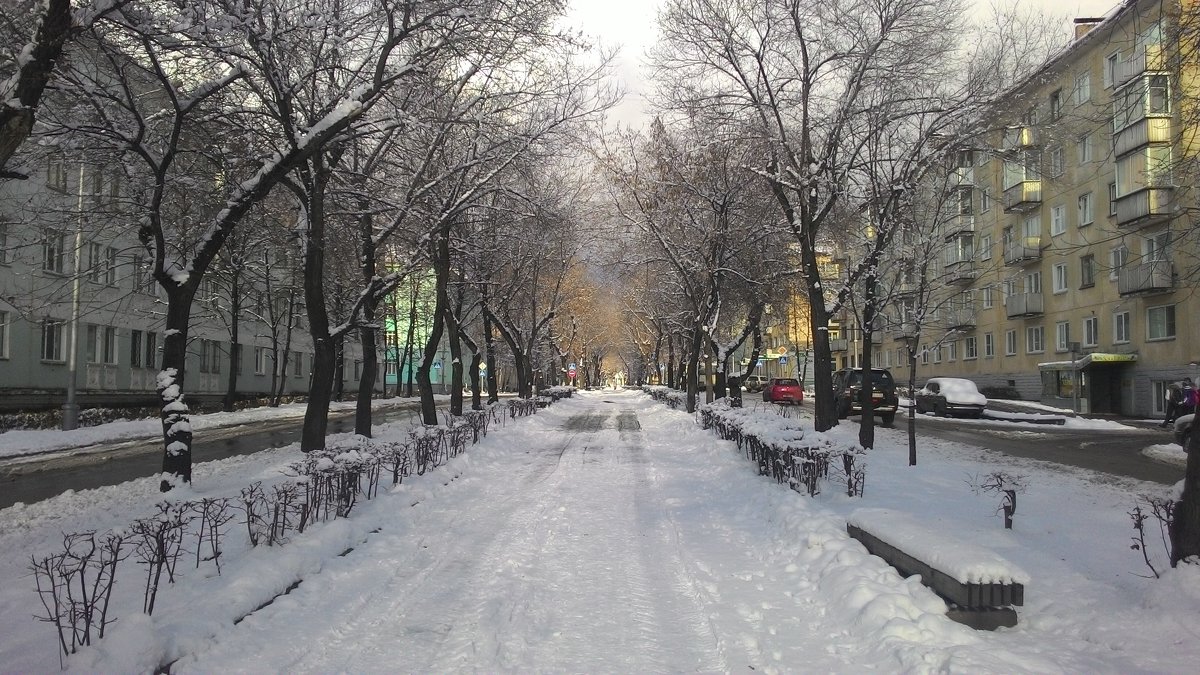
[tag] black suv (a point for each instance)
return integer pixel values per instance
(847, 383)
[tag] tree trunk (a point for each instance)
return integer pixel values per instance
(177, 430)
(441, 258)
(409, 356)
(370, 368)
(476, 394)
(912, 409)
(489, 347)
(320, 389)
(1185, 531)
(235, 351)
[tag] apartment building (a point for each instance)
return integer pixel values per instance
(1068, 270)
(75, 280)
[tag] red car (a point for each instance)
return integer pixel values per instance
(783, 390)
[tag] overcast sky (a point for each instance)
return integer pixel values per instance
(629, 24)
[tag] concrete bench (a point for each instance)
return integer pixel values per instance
(981, 587)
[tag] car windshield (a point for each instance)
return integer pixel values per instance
(879, 378)
(788, 382)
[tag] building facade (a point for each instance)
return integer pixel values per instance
(1068, 267)
(75, 280)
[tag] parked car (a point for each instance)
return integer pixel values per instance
(1183, 429)
(950, 396)
(755, 382)
(783, 390)
(848, 382)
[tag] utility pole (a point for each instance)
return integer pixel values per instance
(70, 409)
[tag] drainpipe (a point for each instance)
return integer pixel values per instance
(70, 409)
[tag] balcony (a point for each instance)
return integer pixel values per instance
(906, 330)
(1019, 137)
(1150, 57)
(1146, 279)
(960, 272)
(960, 225)
(1023, 250)
(963, 176)
(838, 344)
(1024, 304)
(1141, 133)
(961, 319)
(1147, 206)
(1024, 196)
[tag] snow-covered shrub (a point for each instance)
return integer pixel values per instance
(1005, 484)
(780, 446)
(75, 586)
(560, 391)
(672, 397)
(521, 407)
(158, 543)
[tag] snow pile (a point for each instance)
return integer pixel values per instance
(965, 563)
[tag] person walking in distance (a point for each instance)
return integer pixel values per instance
(1174, 396)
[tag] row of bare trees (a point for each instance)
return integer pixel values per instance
(344, 148)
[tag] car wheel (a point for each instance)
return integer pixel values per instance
(888, 419)
(941, 410)
(920, 407)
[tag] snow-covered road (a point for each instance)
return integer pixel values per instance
(609, 534)
(599, 552)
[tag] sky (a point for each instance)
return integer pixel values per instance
(608, 533)
(629, 24)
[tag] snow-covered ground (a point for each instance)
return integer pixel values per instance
(611, 534)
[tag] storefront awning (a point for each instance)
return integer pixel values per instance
(1088, 360)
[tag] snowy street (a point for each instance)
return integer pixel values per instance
(608, 533)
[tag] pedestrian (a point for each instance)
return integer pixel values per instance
(1174, 397)
(1187, 399)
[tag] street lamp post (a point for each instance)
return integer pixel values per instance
(1075, 378)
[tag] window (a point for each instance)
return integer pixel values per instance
(1083, 88)
(135, 349)
(1060, 277)
(297, 364)
(1056, 105)
(260, 360)
(210, 356)
(965, 203)
(1121, 324)
(1147, 167)
(56, 174)
(972, 350)
(1112, 198)
(1085, 148)
(985, 201)
(1057, 165)
(1035, 340)
(4, 259)
(1008, 288)
(52, 340)
(1157, 247)
(1110, 68)
(1010, 343)
(151, 350)
(1087, 271)
(989, 300)
(1091, 331)
(937, 354)
(1062, 336)
(1116, 260)
(985, 247)
(925, 357)
(1087, 212)
(54, 252)
(1160, 322)
(1033, 282)
(4, 335)
(952, 350)
(989, 345)
(102, 264)
(101, 344)
(1058, 220)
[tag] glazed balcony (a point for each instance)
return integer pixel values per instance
(1140, 133)
(1146, 279)
(1148, 206)
(838, 345)
(960, 225)
(1023, 251)
(961, 319)
(1150, 57)
(1023, 196)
